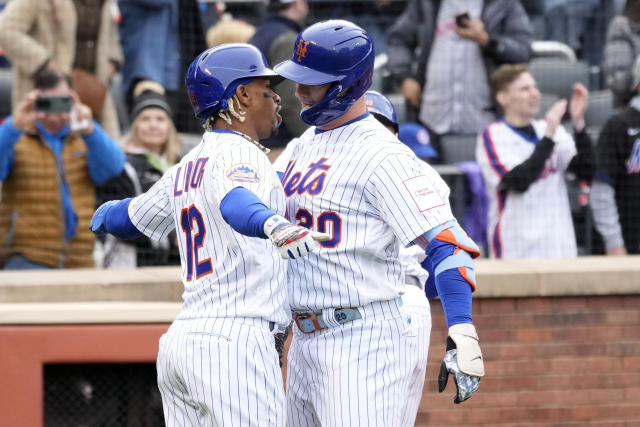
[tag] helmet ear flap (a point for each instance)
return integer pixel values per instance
(321, 113)
(345, 92)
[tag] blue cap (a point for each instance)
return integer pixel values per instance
(417, 137)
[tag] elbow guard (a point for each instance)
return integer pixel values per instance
(449, 247)
(451, 232)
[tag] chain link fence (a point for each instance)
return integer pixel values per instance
(102, 395)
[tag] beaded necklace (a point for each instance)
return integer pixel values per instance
(264, 149)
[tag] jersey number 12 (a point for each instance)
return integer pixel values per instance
(189, 217)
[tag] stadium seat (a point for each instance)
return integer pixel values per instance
(557, 76)
(379, 72)
(546, 101)
(458, 148)
(600, 108)
(399, 103)
(552, 49)
(6, 81)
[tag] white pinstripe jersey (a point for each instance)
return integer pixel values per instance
(536, 223)
(411, 258)
(225, 274)
(365, 188)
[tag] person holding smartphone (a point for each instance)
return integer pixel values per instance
(52, 154)
(461, 43)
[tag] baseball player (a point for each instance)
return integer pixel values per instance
(348, 176)
(217, 364)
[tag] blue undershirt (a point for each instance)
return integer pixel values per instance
(245, 212)
(118, 223)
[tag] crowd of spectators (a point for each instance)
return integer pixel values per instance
(452, 68)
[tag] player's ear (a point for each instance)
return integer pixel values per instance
(243, 94)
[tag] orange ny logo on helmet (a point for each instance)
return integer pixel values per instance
(301, 50)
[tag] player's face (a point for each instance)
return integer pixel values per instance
(152, 127)
(266, 106)
(522, 96)
(311, 95)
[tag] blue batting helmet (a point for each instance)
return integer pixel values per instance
(380, 105)
(334, 51)
(211, 76)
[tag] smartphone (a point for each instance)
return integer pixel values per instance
(462, 20)
(53, 104)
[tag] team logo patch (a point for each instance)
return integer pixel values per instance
(243, 173)
(301, 50)
(423, 193)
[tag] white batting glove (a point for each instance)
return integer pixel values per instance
(464, 360)
(292, 241)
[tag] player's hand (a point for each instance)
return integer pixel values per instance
(554, 117)
(578, 105)
(292, 241)
(463, 360)
(97, 222)
(412, 91)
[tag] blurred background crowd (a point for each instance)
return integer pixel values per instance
(529, 110)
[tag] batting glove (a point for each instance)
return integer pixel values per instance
(292, 241)
(463, 360)
(97, 222)
(280, 339)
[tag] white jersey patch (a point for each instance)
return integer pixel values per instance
(423, 193)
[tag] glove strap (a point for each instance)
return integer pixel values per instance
(466, 329)
(272, 223)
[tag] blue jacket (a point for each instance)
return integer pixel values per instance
(149, 37)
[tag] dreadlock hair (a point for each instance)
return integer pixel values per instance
(225, 113)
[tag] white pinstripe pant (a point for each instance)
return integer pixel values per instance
(220, 372)
(416, 306)
(356, 374)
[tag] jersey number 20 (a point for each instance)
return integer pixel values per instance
(194, 241)
(305, 219)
